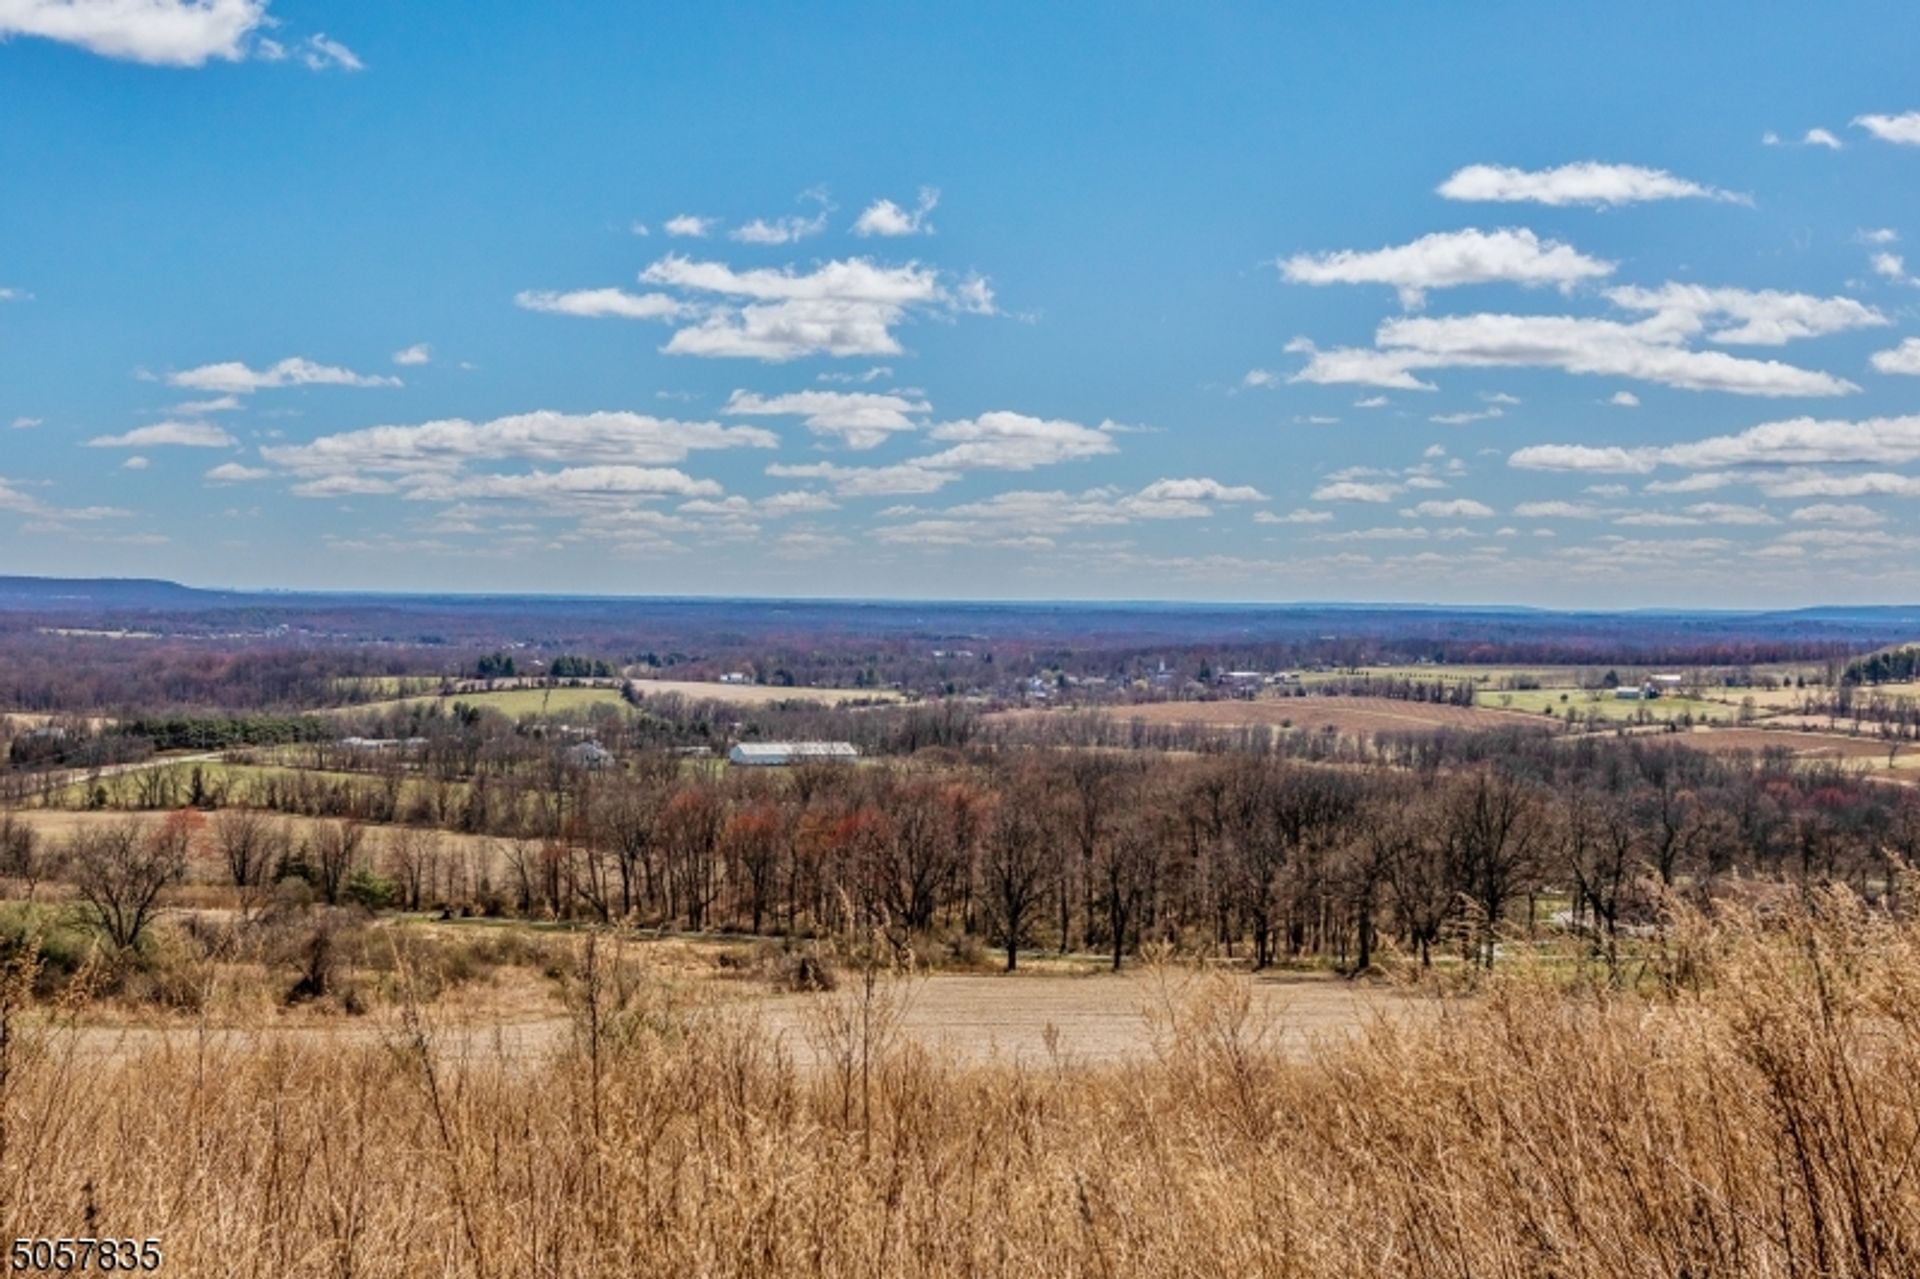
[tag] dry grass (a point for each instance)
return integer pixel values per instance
(1758, 1115)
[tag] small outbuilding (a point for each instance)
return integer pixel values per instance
(783, 754)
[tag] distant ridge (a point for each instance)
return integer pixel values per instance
(47, 594)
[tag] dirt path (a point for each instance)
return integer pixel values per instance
(1091, 1020)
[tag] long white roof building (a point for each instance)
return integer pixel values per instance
(775, 754)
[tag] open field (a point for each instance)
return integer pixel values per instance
(511, 702)
(1808, 746)
(1356, 715)
(1736, 1124)
(1604, 704)
(761, 694)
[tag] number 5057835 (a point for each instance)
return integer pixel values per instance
(67, 1255)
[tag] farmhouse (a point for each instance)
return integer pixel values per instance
(780, 754)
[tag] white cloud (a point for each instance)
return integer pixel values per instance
(998, 441)
(861, 420)
(171, 33)
(573, 482)
(235, 473)
(1704, 482)
(1764, 317)
(1357, 491)
(1588, 183)
(596, 304)
(319, 53)
(901, 480)
(418, 353)
(200, 408)
(1890, 265)
(195, 435)
(1624, 400)
(1904, 359)
(1823, 484)
(1006, 441)
(236, 378)
(1821, 138)
(12, 294)
(1650, 350)
(1877, 235)
(787, 230)
(1561, 511)
(843, 308)
(1793, 442)
(1581, 457)
(1447, 259)
(1461, 419)
(609, 438)
(1027, 517)
(1730, 513)
(1850, 515)
(1459, 508)
(1299, 515)
(135, 463)
(884, 217)
(1371, 402)
(27, 423)
(1259, 378)
(1902, 129)
(690, 226)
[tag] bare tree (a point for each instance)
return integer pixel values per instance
(246, 838)
(120, 871)
(1015, 868)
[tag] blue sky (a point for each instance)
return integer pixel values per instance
(1500, 303)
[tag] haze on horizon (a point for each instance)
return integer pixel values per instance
(1591, 310)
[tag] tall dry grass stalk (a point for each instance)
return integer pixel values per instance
(1757, 1114)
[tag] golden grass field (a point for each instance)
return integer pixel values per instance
(1358, 716)
(1749, 1107)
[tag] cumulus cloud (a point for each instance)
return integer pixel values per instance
(1462, 418)
(997, 441)
(1903, 129)
(1624, 400)
(594, 304)
(193, 435)
(1358, 491)
(861, 420)
(787, 230)
(171, 33)
(1559, 510)
(1299, 515)
(417, 354)
(15, 295)
(1586, 183)
(690, 226)
(446, 446)
(1850, 515)
(1650, 350)
(842, 308)
(1459, 508)
(1902, 359)
(573, 482)
(1447, 259)
(884, 217)
(1763, 317)
(235, 473)
(1800, 441)
(1028, 517)
(235, 378)
(27, 423)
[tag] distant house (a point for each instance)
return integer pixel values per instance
(736, 677)
(1628, 693)
(591, 756)
(782, 754)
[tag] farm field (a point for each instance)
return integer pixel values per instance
(1547, 676)
(1604, 704)
(760, 694)
(511, 702)
(1809, 746)
(1356, 715)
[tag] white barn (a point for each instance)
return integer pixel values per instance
(780, 754)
